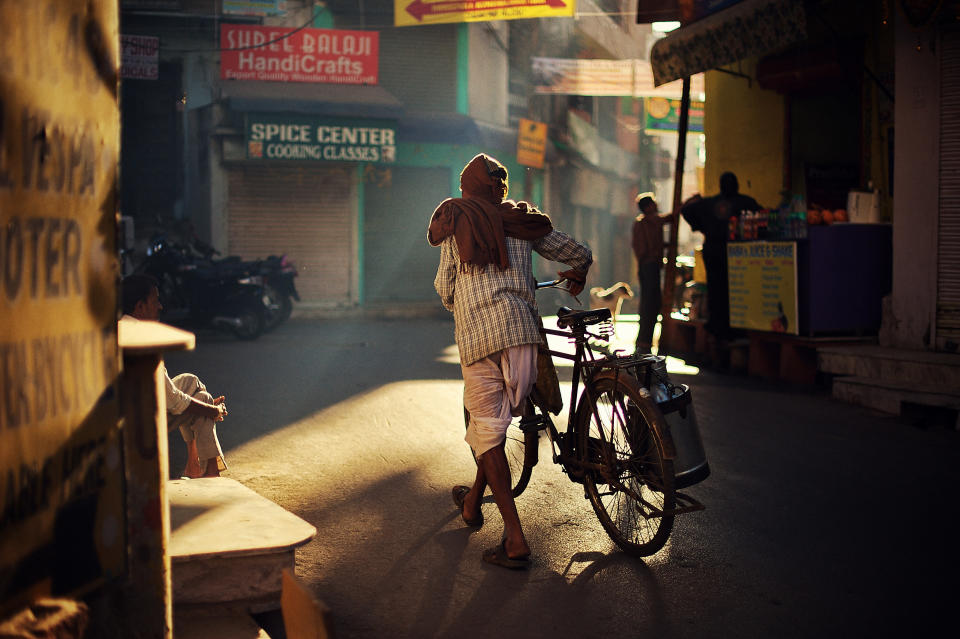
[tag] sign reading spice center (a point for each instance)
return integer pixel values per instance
(272, 137)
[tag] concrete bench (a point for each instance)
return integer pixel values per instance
(216, 625)
(229, 545)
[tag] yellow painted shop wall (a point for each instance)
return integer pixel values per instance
(744, 129)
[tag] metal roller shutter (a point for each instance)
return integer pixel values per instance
(948, 270)
(307, 213)
(421, 71)
(400, 265)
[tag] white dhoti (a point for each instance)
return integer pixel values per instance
(493, 389)
(203, 429)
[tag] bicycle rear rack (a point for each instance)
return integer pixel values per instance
(632, 363)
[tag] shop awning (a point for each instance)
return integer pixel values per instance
(362, 101)
(749, 28)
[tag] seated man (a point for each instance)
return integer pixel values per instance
(189, 406)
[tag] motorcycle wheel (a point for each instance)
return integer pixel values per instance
(252, 321)
(286, 308)
(279, 308)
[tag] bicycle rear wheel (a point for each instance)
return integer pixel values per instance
(628, 480)
(515, 449)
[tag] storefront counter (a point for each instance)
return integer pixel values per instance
(844, 271)
(830, 283)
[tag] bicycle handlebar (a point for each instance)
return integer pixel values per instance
(554, 284)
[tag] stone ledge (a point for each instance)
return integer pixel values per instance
(230, 545)
(889, 395)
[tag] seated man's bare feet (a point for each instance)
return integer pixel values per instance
(192, 470)
(212, 470)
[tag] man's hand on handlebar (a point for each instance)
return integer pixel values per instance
(575, 280)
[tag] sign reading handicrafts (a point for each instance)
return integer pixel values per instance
(284, 54)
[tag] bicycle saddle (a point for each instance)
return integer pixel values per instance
(567, 317)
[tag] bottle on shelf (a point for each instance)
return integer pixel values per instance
(773, 224)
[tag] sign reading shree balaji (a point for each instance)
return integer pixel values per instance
(284, 54)
(61, 472)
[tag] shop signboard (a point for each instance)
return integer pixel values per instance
(315, 139)
(254, 7)
(284, 54)
(571, 76)
(763, 286)
(531, 143)
(575, 76)
(693, 10)
(62, 526)
(189, 7)
(409, 13)
(140, 57)
(661, 114)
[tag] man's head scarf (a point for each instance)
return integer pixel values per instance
(480, 220)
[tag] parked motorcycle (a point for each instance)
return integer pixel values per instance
(198, 295)
(277, 271)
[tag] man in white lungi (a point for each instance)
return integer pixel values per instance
(190, 408)
(486, 279)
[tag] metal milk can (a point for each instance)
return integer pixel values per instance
(676, 403)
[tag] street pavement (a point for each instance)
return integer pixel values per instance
(822, 519)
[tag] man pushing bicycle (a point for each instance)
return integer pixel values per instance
(485, 278)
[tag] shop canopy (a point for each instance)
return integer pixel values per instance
(748, 28)
(364, 101)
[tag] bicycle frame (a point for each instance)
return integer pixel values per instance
(582, 356)
(580, 352)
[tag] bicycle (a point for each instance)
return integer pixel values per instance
(618, 442)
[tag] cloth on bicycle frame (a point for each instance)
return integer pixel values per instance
(546, 391)
(494, 388)
(479, 221)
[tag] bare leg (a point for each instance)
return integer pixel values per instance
(212, 469)
(192, 468)
(496, 472)
(471, 505)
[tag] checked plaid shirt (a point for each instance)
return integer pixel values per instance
(496, 309)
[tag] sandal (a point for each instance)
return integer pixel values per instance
(459, 496)
(498, 557)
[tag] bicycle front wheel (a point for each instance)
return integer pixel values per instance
(628, 479)
(515, 449)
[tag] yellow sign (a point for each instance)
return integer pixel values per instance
(410, 13)
(531, 143)
(61, 471)
(763, 286)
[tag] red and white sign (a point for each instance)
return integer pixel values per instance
(416, 12)
(140, 57)
(283, 54)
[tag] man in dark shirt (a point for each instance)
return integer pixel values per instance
(711, 216)
(647, 245)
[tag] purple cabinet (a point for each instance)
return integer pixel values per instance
(843, 273)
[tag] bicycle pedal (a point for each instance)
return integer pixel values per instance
(532, 424)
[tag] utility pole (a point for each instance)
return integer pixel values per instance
(670, 272)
